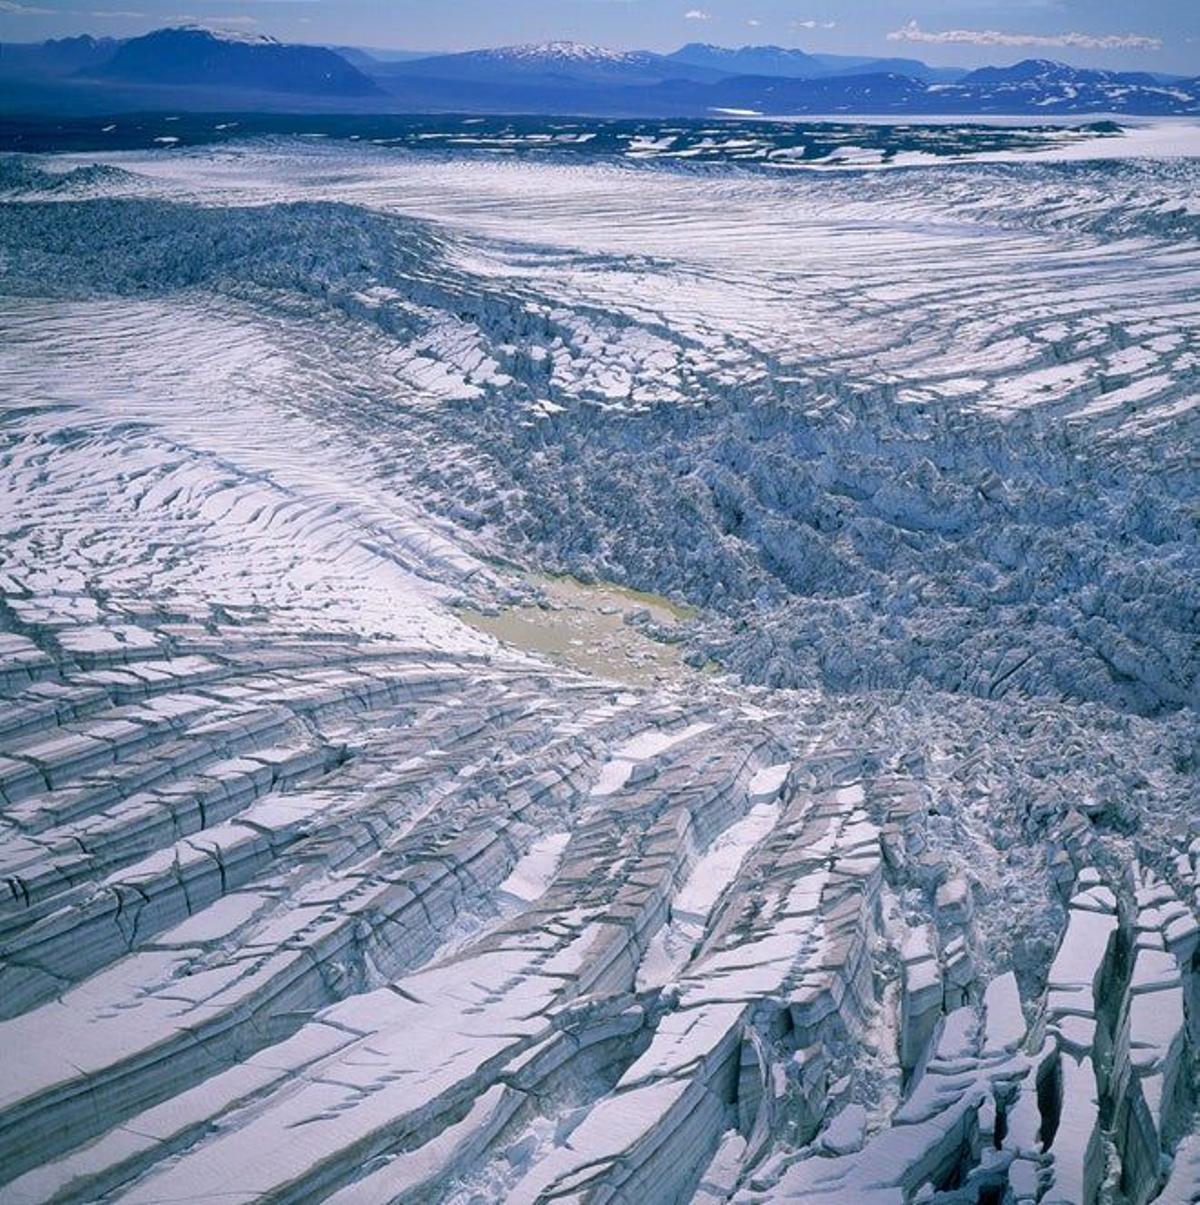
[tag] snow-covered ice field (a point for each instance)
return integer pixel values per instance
(835, 836)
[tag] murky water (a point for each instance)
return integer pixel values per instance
(589, 628)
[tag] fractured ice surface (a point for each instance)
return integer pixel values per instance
(880, 888)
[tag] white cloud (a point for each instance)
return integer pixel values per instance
(12, 9)
(810, 23)
(912, 32)
(696, 14)
(753, 22)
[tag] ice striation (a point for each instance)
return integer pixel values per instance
(324, 880)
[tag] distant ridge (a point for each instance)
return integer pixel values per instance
(193, 55)
(789, 63)
(57, 57)
(1040, 73)
(750, 60)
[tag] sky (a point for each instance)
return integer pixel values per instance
(1152, 35)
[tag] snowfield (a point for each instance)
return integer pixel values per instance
(348, 857)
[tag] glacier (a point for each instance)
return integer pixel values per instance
(594, 680)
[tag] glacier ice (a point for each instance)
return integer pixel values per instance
(325, 878)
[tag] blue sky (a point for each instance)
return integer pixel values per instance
(1161, 35)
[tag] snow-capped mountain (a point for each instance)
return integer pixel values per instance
(1043, 85)
(1047, 73)
(540, 53)
(194, 56)
(577, 62)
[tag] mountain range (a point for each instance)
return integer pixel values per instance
(206, 69)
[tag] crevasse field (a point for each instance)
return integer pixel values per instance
(584, 679)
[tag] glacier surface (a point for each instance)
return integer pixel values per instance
(369, 836)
